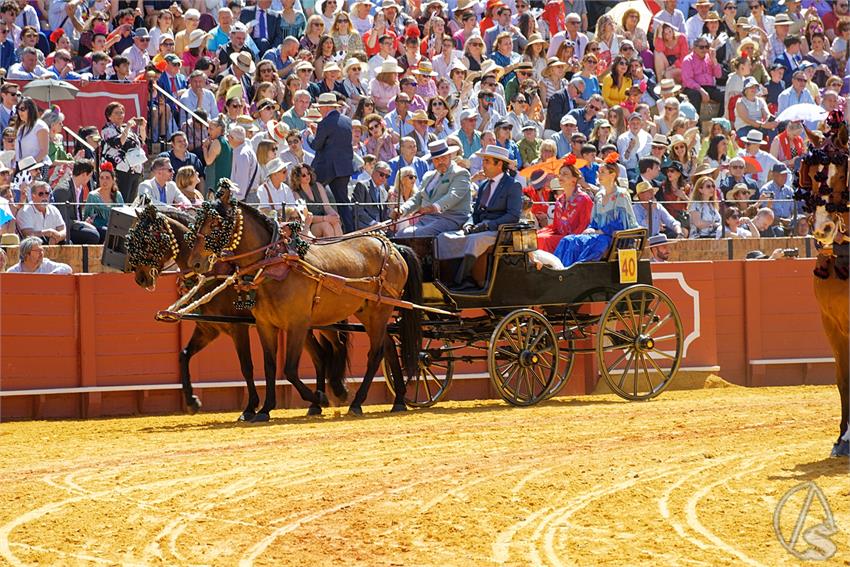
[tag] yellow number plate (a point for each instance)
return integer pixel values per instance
(628, 265)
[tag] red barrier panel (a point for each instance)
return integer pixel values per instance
(753, 322)
(88, 108)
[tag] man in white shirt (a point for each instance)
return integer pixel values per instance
(694, 25)
(28, 68)
(244, 169)
(385, 44)
(670, 15)
(137, 54)
(61, 14)
(28, 17)
(753, 142)
(633, 145)
(274, 195)
(160, 188)
(198, 96)
(32, 260)
(572, 33)
(41, 219)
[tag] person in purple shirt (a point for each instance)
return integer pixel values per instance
(700, 71)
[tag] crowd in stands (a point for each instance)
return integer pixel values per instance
(604, 119)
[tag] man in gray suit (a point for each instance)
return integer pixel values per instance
(371, 198)
(445, 199)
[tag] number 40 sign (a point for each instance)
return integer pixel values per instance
(628, 265)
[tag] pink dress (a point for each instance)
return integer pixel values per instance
(571, 217)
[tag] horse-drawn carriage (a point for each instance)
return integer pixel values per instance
(532, 321)
(527, 321)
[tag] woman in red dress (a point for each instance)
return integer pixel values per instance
(572, 207)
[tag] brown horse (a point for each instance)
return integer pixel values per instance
(162, 240)
(824, 190)
(295, 299)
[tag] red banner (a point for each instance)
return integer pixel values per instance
(88, 108)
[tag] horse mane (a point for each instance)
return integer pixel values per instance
(264, 220)
(180, 216)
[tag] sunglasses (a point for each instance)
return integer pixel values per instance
(374, 127)
(436, 104)
(304, 175)
(730, 8)
(317, 25)
(402, 102)
(410, 176)
(708, 185)
(234, 105)
(142, 39)
(524, 73)
(342, 22)
(736, 167)
(382, 174)
(42, 193)
(596, 108)
(411, 84)
(488, 84)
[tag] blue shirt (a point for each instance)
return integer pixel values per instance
(71, 76)
(469, 146)
(661, 218)
(7, 54)
(513, 151)
(419, 165)
(783, 199)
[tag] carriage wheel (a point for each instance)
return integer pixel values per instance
(639, 343)
(566, 361)
(523, 357)
(431, 383)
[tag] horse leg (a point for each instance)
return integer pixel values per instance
(268, 338)
(842, 375)
(295, 339)
(242, 342)
(203, 334)
(318, 351)
(376, 329)
(394, 366)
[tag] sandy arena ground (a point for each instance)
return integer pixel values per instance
(692, 478)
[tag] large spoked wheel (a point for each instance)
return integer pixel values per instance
(431, 383)
(523, 357)
(639, 344)
(566, 361)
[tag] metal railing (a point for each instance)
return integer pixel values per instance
(170, 116)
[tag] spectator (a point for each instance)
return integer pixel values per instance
(779, 193)
(700, 71)
(753, 143)
(180, 156)
(9, 96)
(634, 144)
(617, 83)
(671, 48)
(737, 174)
(651, 216)
(659, 248)
(160, 188)
(99, 202)
(122, 147)
(407, 158)
(789, 146)
(32, 260)
(245, 169)
(763, 222)
(137, 54)
(8, 57)
(274, 195)
(371, 198)
(70, 198)
(41, 219)
(530, 145)
(33, 137)
(334, 155)
(189, 183)
(326, 220)
(704, 210)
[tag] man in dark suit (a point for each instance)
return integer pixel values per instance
(264, 25)
(334, 154)
(790, 58)
(67, 198)
(172, 82)
(498, 202)
(371, 197)
(561, 102)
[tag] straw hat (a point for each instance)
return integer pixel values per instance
(235, 91)
(535, 39)
(275, 165)
(712, 17)
(312, 115)
(420, 115)
(440, 148)
(676, 140)
(330, 68)
(304, 65)
(667, 87)
(497, 152)
(755, 137)
(277, 130)
(389, 66)
(643, 187)
(738, 188)
(490, 66)
(244, 62)
(425, 69)
(327, 99)
(351, 63)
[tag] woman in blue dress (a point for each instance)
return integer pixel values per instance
(612, 211)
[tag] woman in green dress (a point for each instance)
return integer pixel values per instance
(100, 201)
(218, 155)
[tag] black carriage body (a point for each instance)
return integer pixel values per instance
(513, 280)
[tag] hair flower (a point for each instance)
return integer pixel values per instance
(570, 159)
(612, 158)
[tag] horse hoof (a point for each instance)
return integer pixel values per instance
(398, 408)
(193, 405)
(261, 417)
(247, 416)
(314, 410)
(841, 449)
(355, 410)
(322, 399)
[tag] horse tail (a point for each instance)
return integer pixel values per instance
(410, 331)
(338, 364)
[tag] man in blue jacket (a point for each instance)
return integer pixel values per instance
(334, 154)
(498, 202)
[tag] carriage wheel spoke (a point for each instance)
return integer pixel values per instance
(529, 334)
(539, 378)
(635, 380)
(642, 312)
(626, 370)
(646, 372)
(623, 321)
(665, 354)
(619, 335)
(635, 324)
(657, 368)
(659, 324)
(505, 352)
(528, 384)
(664, 338)
(619, 359)
(650, 314)
(427, 387)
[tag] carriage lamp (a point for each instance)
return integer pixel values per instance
(525, 240)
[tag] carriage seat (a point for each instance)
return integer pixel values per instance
(633, 238)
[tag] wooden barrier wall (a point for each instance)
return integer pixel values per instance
(87, 258)
(93, 337)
